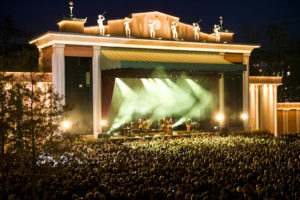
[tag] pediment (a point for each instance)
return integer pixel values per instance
(139, 27)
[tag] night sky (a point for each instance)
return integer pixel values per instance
(41, 16)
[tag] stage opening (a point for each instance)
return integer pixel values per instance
(152, 99)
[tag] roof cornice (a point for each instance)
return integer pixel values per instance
(81, 39)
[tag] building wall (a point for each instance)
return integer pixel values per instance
(280, 123)
(288, 118)
(263, 103)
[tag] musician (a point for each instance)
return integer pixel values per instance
(146, 125)
(162, 123)
(140, 125)
(169, 125)
(188, 124)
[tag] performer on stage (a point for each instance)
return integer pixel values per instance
(169, 125)
(162, 123)
(188, 124)
(146, 125)
(140, 125)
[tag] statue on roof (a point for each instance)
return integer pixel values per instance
(126, 25)
(195, 29)
(217, 33)
(151, 27)
(174, 30)
(100, 20)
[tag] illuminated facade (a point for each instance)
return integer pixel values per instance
(82, 58)
(288, 118)
(263, 103)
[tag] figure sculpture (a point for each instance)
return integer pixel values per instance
(174, 30)
(216, 31)
(126, 25)
(101, 18)
(152, 30)
(195, 29)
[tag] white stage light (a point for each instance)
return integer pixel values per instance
(244, 116)
(220, 117)
(103, 123)
(66, 124)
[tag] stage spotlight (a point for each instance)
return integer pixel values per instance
(103, 123)
(244, 116)
(66, 124)
(220, 117)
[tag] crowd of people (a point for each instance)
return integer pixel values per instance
(203, 167)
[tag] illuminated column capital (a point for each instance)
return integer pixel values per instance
(246, 57)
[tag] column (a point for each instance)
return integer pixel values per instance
(221, 97)
(298, 121)
(40, 60)
(285, 121)
(246, 90)
(257, 107)
(275, 111)
(58, 69)
(97, 129)
(253, 107)
(270, 108)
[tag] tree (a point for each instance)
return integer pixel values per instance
(31, 112)
(43, 107)
(4, 125)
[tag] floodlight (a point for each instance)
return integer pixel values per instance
(220, 117)
(244, 116)
(66, 124)
(103, 123)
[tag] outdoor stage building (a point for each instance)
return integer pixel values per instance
(86, 63)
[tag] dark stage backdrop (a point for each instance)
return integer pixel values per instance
(79, 93)
(233, 91)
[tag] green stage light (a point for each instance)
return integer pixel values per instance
(180, 121)
(204, 100)
(155, 98)
(125, 90)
